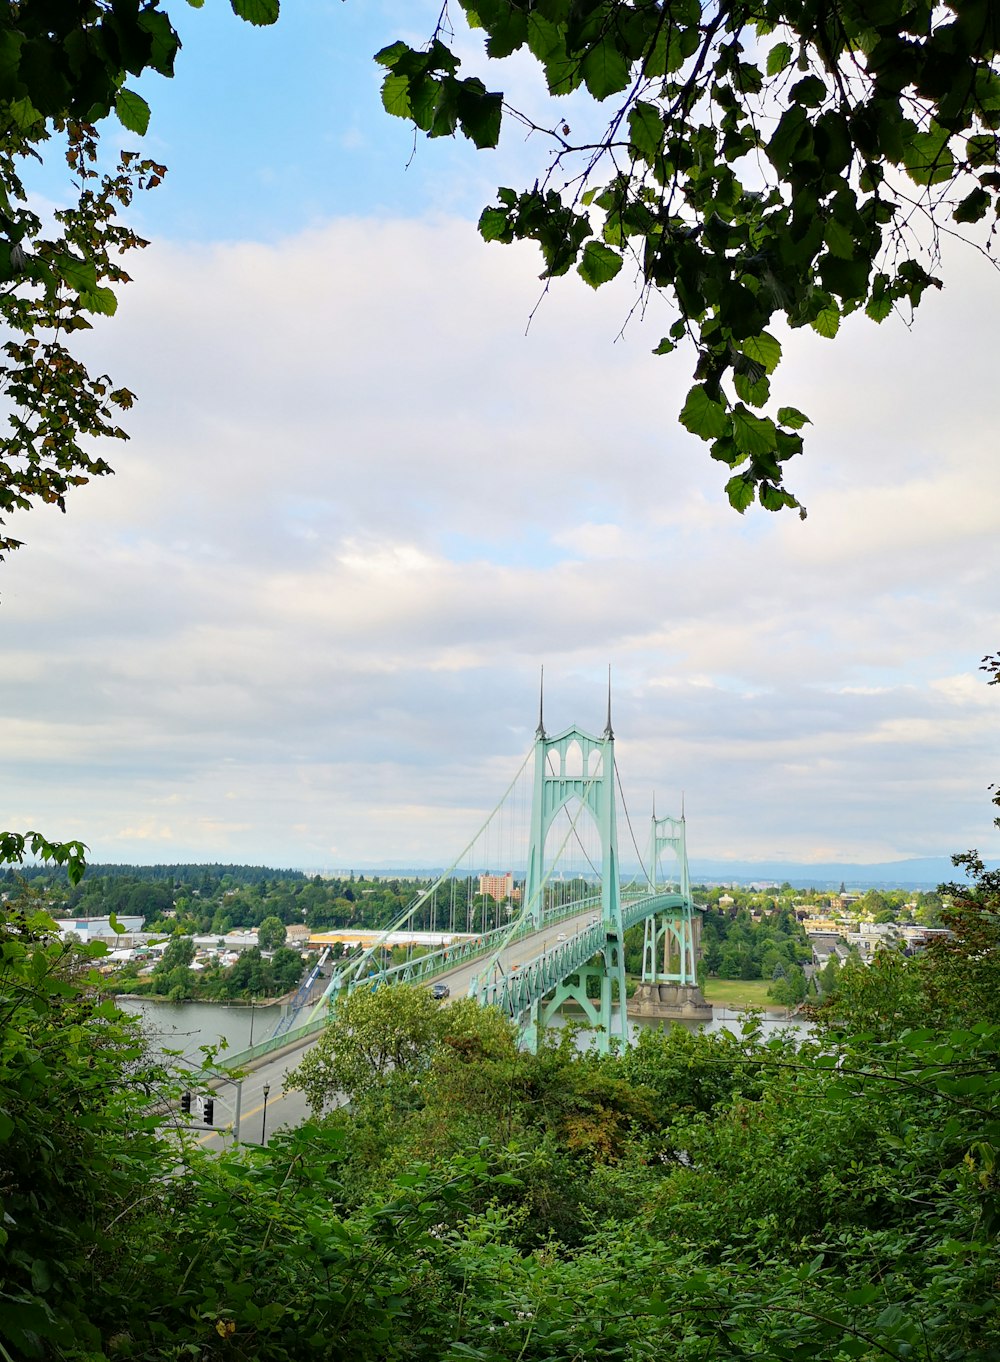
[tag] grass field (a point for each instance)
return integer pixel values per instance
(737, 994)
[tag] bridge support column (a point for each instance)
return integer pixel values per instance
(599, 1013)
(669, 987)
(531, 1030)
(577, 767)
(670, 1002)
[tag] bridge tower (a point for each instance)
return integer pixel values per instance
(669, 984)
(576, 765)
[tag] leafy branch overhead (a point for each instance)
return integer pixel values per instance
(65, 66)
(760, 161)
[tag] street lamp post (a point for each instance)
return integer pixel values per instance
(263, 1122)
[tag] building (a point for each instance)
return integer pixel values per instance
(500, 887)
(100, 928)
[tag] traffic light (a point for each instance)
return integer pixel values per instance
(209, 1110)
(186, 1103)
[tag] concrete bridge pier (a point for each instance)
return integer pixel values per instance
(670, 1002)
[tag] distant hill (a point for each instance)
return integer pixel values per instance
(919, 872)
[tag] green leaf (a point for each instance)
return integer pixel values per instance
(257, 12)
(827, 322)
(752, 434)
(764, 349)
(703, 415)
(605, 71)
(774, 498)
(164, 44)
(99, 300)
(793, 418)
(982, 150)
(23, 115)
(725, 451)
(80, 275)
(389, 56)
(879, 306)
(479, 113)
(973, 207)
(778, 58)
(598, 264)
(645, 124)
(740, 491)
(548, 43)
(809, 92)
(755, 390)
(41, 1277)
(396, 96)
(927, 157)
(494, 225)
(839, 239)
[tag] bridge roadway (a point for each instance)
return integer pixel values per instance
(287, 1107)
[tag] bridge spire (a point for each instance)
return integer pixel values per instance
(540, 730)
(608, 730)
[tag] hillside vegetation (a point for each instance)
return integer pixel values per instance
(699, 1197)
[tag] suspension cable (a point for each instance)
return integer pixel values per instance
(628, 820)
(422, 897)
(573, 822)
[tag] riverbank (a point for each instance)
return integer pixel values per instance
(740, 995)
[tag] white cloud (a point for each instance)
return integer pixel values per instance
(361, 508)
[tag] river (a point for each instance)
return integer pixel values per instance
(186, 1026)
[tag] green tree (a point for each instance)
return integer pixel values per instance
(756, 163)
(179, 952)
(249, 977)
(286, 969)
(375, 1034)
(271, 934)
(790, 989)
(77, 1142)
(928, 910)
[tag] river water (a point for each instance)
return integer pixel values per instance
(186, 1026)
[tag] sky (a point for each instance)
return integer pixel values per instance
(365, 501)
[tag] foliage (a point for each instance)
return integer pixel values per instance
(15, 845)
(739, 947)
(78, 1150)
(376, 1034)
(758, 163)
(789, 988)
(954, 981)
(700, 1195)
(271, 934)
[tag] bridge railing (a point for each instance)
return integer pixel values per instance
(515, 991)
(422, 968)
(293, 1036)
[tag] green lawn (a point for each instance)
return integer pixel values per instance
(737, 994)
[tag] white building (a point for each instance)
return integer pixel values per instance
(97, 928)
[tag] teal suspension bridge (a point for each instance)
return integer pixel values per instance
(555, 947)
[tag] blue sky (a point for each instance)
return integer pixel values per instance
(363, 502)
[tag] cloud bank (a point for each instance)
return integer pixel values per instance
(304, 622)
